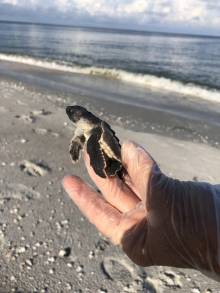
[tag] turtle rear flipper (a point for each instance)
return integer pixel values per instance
(97, 157)
(113, 167)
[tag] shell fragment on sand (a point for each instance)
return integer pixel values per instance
(34, 169)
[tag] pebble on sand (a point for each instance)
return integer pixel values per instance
(65, 252)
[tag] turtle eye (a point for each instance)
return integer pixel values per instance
(77, 115)
(73, 114)
(69, 110)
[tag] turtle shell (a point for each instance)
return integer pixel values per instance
(104, 151)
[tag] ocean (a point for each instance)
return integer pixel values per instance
(183, 64)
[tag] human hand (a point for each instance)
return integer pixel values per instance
(155, 219)
(120, 208)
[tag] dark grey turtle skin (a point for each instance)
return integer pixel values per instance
(98, 138)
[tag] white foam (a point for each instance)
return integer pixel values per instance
(149, 81)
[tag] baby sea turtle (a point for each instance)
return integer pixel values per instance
(98, 138)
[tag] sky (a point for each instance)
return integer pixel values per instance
(178, 16)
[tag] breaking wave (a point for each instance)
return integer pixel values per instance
(146, 80)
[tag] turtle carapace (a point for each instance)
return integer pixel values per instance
(98, 138)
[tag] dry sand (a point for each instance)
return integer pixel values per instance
(45, 243)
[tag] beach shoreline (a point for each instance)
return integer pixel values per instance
(169, 114)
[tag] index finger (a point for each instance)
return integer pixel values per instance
(101, 214)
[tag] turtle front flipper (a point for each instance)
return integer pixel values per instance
(76, 146)
(111, 140)
(113, 167)
(97, 157)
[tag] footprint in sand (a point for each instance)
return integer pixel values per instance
(44, 131)
(26, 118)
(34, 168)
(128, 277)
(33, 115)
(171, 279)
(118, 270)
(17, 191)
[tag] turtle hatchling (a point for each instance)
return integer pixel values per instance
(98, 138)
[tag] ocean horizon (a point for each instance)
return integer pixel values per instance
(117, 29)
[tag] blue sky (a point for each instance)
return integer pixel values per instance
(186, 16)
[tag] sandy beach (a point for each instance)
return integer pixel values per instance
(46, 245)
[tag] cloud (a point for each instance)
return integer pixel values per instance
(199, 12)
(203, 13)
(21, 3)
(10, 2)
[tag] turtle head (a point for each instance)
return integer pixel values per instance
(75, 113)
(79, 114)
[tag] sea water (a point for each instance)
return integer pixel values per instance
(184, 64)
